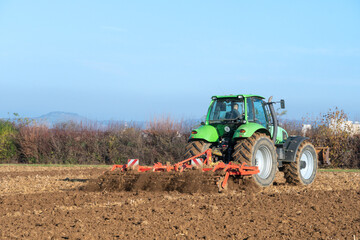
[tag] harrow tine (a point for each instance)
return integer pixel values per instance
(223, 185)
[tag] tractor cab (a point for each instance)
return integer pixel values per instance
(226, 110)
(239, 108)
(227, 113)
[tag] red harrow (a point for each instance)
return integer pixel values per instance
(201, 161)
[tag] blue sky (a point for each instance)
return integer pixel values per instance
(133, 60)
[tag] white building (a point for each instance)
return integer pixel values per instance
(347, 126)
(305, 128)
(356, 127)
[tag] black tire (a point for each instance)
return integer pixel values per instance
(297, 173)
(195, 147)
(254, 149)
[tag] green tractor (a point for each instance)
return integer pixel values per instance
(244, 129)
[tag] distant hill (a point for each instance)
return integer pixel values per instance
(51, 119)
(54, 118)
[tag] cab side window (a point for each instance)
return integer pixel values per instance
(250, 110)
(260, 115)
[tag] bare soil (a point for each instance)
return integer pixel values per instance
(86, 203)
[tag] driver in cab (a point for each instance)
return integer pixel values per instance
(235, 112)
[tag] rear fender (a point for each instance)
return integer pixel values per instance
(291, 147)
(248, 129)
(205, 132)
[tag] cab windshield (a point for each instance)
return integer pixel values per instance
(226, 109)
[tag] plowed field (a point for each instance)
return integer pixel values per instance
(62, 203)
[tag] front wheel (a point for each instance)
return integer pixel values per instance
(258, 150)
(303, 170)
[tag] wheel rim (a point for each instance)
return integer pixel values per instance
(308, 158)
(263, 160)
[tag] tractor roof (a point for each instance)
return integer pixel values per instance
(236, 96)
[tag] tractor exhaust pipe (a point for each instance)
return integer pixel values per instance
(274, 119)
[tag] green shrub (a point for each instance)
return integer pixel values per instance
(7, 141)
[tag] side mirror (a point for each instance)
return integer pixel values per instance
(202, 123)
(282, 103)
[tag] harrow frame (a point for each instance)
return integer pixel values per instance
(229, 169)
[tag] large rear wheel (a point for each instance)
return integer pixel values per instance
(195, 147)
(303, 170)
(258, 150)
